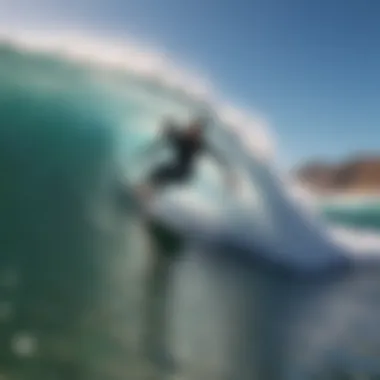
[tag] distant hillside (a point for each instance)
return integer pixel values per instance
(357, 175)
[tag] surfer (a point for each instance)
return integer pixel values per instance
(188, 144)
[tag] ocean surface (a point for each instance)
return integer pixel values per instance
(259, 285)
(360, 216)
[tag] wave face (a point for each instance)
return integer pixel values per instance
(74, 296)
(132, 108)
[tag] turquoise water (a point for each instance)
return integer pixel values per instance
(366, 217)
(87, 291)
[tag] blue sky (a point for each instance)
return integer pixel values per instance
(311, 67)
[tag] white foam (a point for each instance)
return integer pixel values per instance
(357, 242)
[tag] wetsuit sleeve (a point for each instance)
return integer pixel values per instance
(172, 133)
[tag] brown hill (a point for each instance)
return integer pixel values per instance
(358, 175)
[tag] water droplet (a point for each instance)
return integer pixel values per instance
(24, 344)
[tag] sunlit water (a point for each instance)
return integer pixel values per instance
(86, 292)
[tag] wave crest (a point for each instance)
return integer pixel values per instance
(155, 66)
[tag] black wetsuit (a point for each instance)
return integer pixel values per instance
(186, 150)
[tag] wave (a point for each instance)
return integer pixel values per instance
(126, 91)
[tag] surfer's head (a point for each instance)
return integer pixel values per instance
(197, 126)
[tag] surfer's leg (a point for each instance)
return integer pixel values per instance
(154, 182)
(161, 178)
(170, 175)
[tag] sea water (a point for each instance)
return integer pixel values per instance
(87, 292)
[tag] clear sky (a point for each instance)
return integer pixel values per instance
(311, 67)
